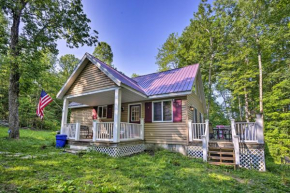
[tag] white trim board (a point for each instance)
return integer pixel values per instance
(169, 95)
(92, 92)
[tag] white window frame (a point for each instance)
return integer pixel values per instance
(162, 110)
(130, 112)
(103, 111)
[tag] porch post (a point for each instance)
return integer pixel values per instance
(117, 115)
(142, 128)
(77, 134)
(64, 116)
(94, 131)
(190, 130)
(260, 129)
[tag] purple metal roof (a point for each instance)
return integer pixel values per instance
(121, 77)
(171, 81)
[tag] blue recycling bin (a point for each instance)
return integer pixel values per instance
(60, 140)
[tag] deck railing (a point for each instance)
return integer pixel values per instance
(130, 131)
(104, 131)
(247, 131)
(197, 130)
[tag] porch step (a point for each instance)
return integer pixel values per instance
(221, 149)
(78, 147)
(221, 158)
(218, 152)
(73, 151)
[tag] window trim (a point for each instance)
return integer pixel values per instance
(162, 121)
(103, 111)
(132, 104)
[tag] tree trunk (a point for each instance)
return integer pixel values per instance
(260, 81)
(240, 108)
(247, 105)
(209, 77)
(14, 75)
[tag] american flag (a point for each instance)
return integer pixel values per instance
(44, 100)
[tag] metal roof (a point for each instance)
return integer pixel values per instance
(171, 81)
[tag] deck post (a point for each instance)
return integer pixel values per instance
(94, 131)
(260, 132)
(142, 128)
(64, 116)
(190, 130)
(204, 147)
(207, 129)
(235, 138)
(77, 134)
(117, 115)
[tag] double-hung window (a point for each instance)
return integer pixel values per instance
(102, 111)
(162, 111)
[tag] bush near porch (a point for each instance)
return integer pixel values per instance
(51, 170)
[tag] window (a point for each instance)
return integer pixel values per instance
(135, 113)
(102, 111)
(162, 111)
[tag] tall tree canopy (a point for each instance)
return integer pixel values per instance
(166, 58)
(42, 23)
(104, 52)
(243, 50)
(68, 63)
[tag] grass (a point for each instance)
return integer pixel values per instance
(54, 171)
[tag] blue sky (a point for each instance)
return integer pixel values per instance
(134, 29)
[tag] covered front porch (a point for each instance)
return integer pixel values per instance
(107, 126)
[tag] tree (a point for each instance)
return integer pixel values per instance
(134, 75)
(67, 63)
(104, 52)
(167, 58)
(42, 23)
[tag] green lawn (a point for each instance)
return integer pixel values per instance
(51, 170)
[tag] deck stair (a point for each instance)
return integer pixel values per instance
(221, 153)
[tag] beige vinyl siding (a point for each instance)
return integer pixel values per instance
(82, 115)
(91, 78)
(168, 132)
(196, 100)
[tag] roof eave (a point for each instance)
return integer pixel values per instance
(184, 93)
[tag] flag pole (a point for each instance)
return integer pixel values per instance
(57, 104)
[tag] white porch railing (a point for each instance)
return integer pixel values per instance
(197, 130)
(72, 130)
(103, 131)
(247, 131)
(130, 131)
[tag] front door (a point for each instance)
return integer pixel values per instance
(135, 113)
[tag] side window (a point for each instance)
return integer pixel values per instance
(102, 111)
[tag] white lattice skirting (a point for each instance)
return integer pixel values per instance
(121, 150)
(195, 151)
(252, 159)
